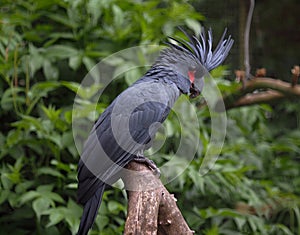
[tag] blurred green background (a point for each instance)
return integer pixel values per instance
(46, 49)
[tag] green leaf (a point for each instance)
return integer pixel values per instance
(60, 52)
(113, 206)
(41, 205)
(118, 16)
(29, 122)
(4, 194)
(49, 171)
(41, 89)
(75, 62)
(213, 231)
(198, 180)
(23, 187)
(54, 196)
(35, 59)
(11, 96)
(51, 72)
(13, 137)
(91, 67)
(55, 216)
(102, 221)
(71, 214)
(84, 92)
(285, 229)
(194, 25)
(45, 188)
(73, 86)
(94, 8)
(28, 196)
(62, 18)
(240, 222)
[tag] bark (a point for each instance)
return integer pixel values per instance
(151, 208)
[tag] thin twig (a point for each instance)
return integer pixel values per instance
(246, 39)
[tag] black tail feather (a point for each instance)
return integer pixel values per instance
(90, 212)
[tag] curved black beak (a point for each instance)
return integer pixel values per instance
(194, 92)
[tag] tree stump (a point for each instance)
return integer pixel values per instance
(151, 208)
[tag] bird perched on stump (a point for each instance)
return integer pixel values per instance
(128, 125)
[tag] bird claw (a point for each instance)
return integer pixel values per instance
(150, 164)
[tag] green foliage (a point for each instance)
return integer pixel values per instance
(46, 49)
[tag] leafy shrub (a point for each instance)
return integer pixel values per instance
(46, 49)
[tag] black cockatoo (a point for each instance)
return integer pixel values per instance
(125, 129)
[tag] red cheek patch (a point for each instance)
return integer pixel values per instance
(191, 76)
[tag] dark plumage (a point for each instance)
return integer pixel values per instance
(125, 129)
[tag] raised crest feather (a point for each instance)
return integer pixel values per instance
(202, 49)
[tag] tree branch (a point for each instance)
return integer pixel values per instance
(151, 208)
(260, 90)
(275, 84)
(256, 98)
